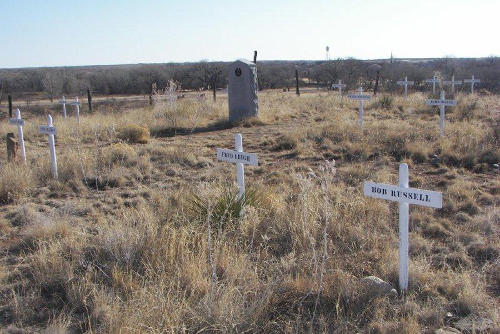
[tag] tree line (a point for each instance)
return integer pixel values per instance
(139, 78)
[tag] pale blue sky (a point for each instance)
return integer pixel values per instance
(61, 33)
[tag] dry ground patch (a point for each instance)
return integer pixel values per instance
(141, 232)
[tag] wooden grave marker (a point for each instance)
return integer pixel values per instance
(442, 103)
(360, 97)
(240, 158)
(404, 196)
(50, 130)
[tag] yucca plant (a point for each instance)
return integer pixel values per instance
(225, 210)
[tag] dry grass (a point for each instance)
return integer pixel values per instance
(148, 238)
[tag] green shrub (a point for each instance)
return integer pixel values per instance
(225, 209)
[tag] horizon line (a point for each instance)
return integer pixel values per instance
(264, 60)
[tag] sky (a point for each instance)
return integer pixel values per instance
(97, 32)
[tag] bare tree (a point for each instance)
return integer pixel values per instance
(52, 84)
(210, 74)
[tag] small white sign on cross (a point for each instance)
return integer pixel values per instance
(404, 196)
(405, 83)
(472, 82)
(76, 103)
(360, 97)
(452, 82)
(442, 102)
(433, 81)
(20, 123)
(50, 130)
(240, 158)
(339, 85)
(63, 102)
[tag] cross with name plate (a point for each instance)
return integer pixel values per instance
(472, 82)
(339, 85)
(405, 83)
(404, 196)
(360, 97)
(433, 81)
(452, 82)
(240, 158)
(442, 103)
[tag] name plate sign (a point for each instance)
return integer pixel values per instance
(409, 83)
(237, 157)
(358, 96)
(438, 102)
(389, 192)
(16, 121)
(48, 130)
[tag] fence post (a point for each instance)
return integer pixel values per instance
(9, 98)
(89, 98)
(297, 82)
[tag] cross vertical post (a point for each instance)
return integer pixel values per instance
(405, 83)
(63, 102)
(52, 146)
(434, 80)
(472, 82)
(441, 115)
(360, 97)
(361, 111)
(20, 134)
(403, 230)
(240, 171)
(452, 83)
(442, 103)
(77, 105)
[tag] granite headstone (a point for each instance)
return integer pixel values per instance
(242, 90)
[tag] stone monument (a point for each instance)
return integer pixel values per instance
(242, 90)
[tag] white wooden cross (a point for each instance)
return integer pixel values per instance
(63, 102)
(340, 85)
(452, 82)
(240, 158)
(472, 82)
(405, 83)
(360, 97)
(434, 80)
(441, 102)
(76, 103)
(404, 196)
(50, 130)
(20, 123)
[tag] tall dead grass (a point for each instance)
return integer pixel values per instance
(114, 244)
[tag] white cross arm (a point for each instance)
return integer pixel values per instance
(358, 97)
(432, 80)
(338, 85)
(48, 130)
(237, 157)
(389, 192)
(452, 82)
(16, 121)
(409, 83)
(471, 80)
(438, 102)
(63, 102)
(74, 103)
